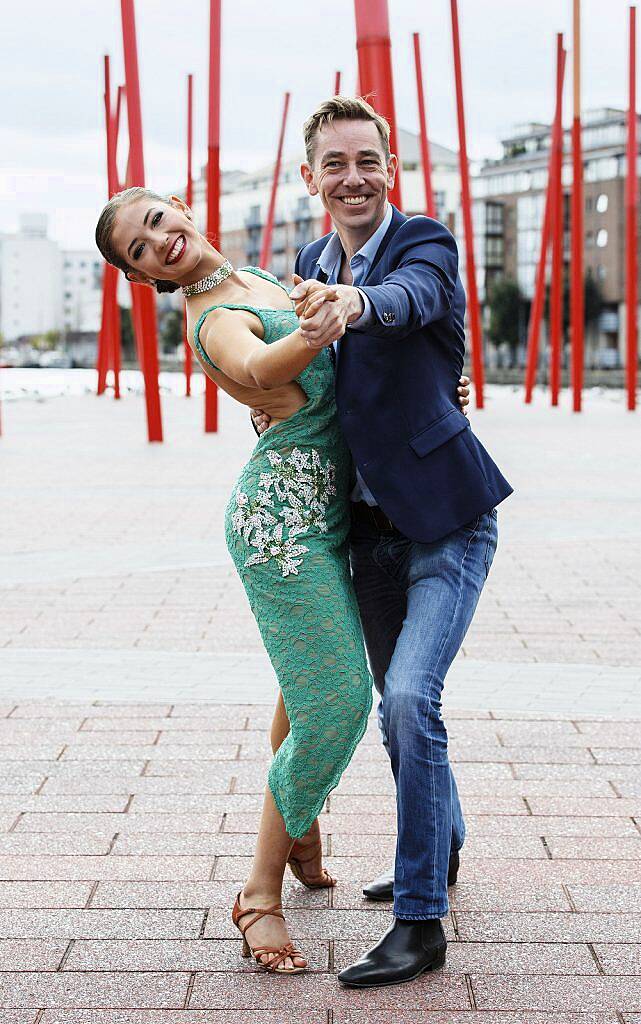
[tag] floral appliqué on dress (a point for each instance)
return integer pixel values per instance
(302, 486)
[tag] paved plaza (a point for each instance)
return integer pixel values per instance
(135, 703)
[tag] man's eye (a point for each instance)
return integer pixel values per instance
(138, 252)
(332, 163)
(156, 219)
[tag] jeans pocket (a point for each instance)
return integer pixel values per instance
(472, 527)
(492, 538)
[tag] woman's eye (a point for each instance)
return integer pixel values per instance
(156, 219)
(138, 252)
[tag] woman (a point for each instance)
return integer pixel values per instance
(286, 527)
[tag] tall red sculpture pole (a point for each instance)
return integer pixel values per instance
(576, 265)
(375, 77)
(538, 302)
(213, 177)
(430, 205)
(266, 248)
(188, 199)
(327, 220)
(557, 226)
(474, 309)
(142, 296)
(631, 199)
(109, 336)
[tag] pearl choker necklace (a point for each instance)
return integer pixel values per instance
(210, 281)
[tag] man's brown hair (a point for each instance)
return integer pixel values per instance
(343, 108)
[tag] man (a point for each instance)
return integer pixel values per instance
(424, 526)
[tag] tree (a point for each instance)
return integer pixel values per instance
(127, 342)
(47, 341)
(506, 303)
(171, 331)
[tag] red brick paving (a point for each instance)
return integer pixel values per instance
(133, 828)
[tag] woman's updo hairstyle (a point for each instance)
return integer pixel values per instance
(105, 227)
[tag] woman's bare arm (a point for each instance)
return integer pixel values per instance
(231, 344)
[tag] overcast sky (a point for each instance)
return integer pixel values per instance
(52, 152)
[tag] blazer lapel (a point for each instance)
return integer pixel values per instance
(398, 218)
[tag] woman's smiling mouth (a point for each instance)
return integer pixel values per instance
(176, 250)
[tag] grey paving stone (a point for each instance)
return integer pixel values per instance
(92, 990)
(606, 898)
(101, 924)
(169, 955)
(534, 927)
(198, 895)
(619, 958)
(44, 894)
(441, 991)
(557, 994)
(257, 1016)
(59, 868)
(21, 845)
(31, 954)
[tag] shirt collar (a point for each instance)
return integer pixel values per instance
(333, 250)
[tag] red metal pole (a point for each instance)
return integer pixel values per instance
(327, 220)
(556, 282)
(266, 248)
(536, 314)
(102, 356)
(142, 296)
(375, 76)
(430, 205)
(576, 267)
(466, 203)
(213, 177)
(188, 200)
(631, 199)
(113, 333)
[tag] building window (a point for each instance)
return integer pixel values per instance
(602, 203)
(602, 238)
(601, 272)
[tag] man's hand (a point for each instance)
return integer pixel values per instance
(464, 394)
(305, 291)
(261, 419)
(326, 318)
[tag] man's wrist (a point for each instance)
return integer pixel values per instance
(355, 304)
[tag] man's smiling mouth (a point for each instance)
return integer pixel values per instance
(353, 200)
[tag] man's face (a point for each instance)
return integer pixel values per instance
(351, 174)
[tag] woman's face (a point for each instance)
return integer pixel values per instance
(157, 239)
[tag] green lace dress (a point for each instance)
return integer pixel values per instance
(286, 527)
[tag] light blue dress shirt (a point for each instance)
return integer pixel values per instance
(329, 262)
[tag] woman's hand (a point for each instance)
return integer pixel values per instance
(306, 292)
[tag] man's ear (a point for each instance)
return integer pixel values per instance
(137, 277)
(307, 175)
(392, 168)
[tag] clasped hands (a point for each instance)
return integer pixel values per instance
(324, 310)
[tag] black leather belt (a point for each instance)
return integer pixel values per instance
(371, 516)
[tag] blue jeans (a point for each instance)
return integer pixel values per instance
(416, 603)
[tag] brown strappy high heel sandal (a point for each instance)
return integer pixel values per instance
(322, 881)
(281, 953)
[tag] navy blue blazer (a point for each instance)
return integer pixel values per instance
(397, 380)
